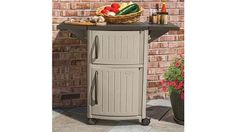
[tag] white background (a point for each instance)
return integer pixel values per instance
(26, 66)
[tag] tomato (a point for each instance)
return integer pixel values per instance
(108, 8)
(116, 10)
(115, 5)
(104, 11)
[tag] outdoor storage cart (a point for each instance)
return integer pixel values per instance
(117, 68)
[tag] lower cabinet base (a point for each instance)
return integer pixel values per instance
(116, 117)
(143, 121)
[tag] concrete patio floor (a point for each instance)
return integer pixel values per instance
(74, 120)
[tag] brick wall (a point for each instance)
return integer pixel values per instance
(69, 53)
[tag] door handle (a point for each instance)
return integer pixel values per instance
(96, 46)
(96, 90)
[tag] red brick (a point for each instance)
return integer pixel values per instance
(173, 44)
(60, 5)
(173, 18)
(83, 13)
(180, 5)
(172, 32)
(126, 0)
(65, 6)
(181, 18)
(181, 31)
(153, 84)
(56, 5)
(147, 5)
(171, 5)
(153, 64)
(152, 0)
(180, 51)
(95, 5)
(67, 0)
(160, 70)
(154, 45)
(152, 77)
(79, 5)
(181, 11)
(90, 0)
(154, 71)
(181, 38)
(173, 57)
(173, 11)
(69, 13)
(168, 38)
(172, 0)
(66, 41)
(152, 52)
(166, 51)
(56, 13)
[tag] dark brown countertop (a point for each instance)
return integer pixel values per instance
(120, 27)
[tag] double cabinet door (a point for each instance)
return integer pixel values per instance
(115, 88)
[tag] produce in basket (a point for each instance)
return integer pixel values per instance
(129, 9)
(120, 12)
(117, 9)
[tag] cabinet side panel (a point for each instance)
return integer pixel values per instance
(145, 60)
(89, 111)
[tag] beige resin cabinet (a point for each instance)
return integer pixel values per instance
(117, 66)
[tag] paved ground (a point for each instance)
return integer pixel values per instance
(74, 120)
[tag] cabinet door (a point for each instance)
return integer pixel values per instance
(118, 91)
(116, 47)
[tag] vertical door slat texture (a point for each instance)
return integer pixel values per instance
(105, 91)
(111, 91)
(118, 47)
(101, 55)
(136, 91)
(105, 47)
(123, 93)
(118, 91)
(129, 92)
(101, 74)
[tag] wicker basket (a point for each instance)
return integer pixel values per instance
(128, 18)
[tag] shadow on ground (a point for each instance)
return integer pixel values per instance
(160, 113)
(80, 114)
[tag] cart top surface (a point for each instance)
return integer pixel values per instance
(121, 27)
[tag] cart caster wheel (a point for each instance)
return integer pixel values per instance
(91, 121)
(145, 121)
